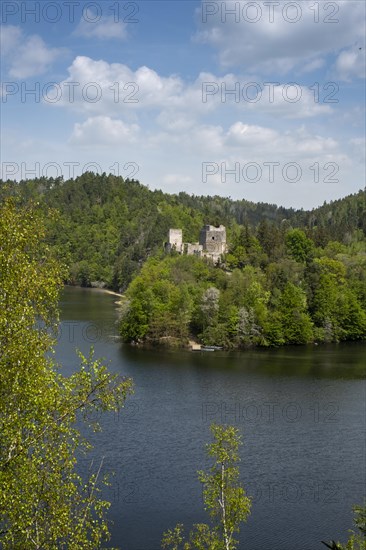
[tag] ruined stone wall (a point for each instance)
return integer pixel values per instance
(212, 243)
(194, 248)
(213, 239)
(175, 240)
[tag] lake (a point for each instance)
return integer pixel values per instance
(301, 411)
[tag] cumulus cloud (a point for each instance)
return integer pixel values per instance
(10, 37)
(245, 134)
(33, 58)
(290, 100)
(170, 124)
(250, 142)
(102, 88)
(177, 179)
(251, 160)
(122, 88)
(175, 122)
(351, 63)
(103, 27)
(264, 142)
(278, 37)
(119, 87)
(358, 147)
(26, 56)
(313, 65)
(103, 131)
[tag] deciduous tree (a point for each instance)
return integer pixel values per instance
(225, 499)
(44, 503)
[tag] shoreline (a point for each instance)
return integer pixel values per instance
(105, 290)
(195, 346)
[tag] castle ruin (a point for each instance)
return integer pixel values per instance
(212, 243)
(175, 241)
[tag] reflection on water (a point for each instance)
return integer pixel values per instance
(301, 412)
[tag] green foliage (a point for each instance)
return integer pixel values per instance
(44, 503)
(108, 229)
(335, 306)
(271, 239)
(182, 297)
(114, 225)
(160, 300)
(296, 323)
(357, 539)
(244, 249)
(298, 245)
(340, 220)
(224, 498)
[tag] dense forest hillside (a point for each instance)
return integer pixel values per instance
(288, 277)
(107, 227)
(336, 220)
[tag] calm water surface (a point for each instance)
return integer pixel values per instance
(301, 412)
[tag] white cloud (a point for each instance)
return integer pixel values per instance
(351, 63)
(176, 103)
(102, 131)
(26, 56)
(296, 145)
(167, 126)
(242, 141)
(174, 162)
(313, 65)
(33, 58)
(175, 121)
(103, 27)
(10, 37)
(204, 141)
(120, 88)
(291, 101)
(244, 134)
(358, 147)
(267, 41)
(177, 179)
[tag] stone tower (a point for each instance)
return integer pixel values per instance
(212, 243)
(175, 241)
(213, 240)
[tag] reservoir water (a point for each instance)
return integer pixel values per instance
(301, 411)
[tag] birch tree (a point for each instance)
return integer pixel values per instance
(225, 499)
(44, 502)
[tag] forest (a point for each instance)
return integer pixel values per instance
(277, 284)
(289, 276)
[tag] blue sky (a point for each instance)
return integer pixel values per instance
(259, 100)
